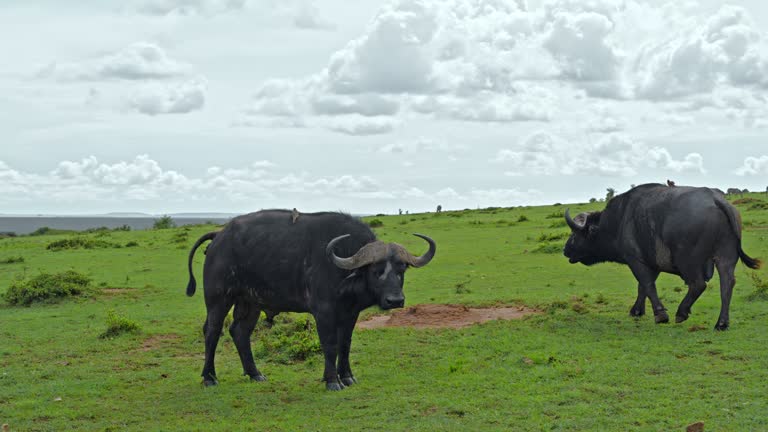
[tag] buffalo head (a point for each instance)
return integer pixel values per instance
(583, 245)
(382, 267)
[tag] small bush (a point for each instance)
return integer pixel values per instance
(523, 218)
(403, 222)
(761, 288)
(123, 227)
(165, 222)
(132, 243)
(118, 324)
(555, 215)
(12, 260)
(180, 237)
(558, 224)
(7, 234)
(80, 243)
(375, 223)
(747, 200)
(545, 237)
(40, 231)
(290, 339)
(548, 248)
(47, 286)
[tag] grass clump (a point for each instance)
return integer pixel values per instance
(47, 286)
(118, 324)
(747, 200)
(548, 248)
(523, 218)
(132, 243)
(760, 205)
(292, 338)
(556, 215)
(80, 243)
(761, 288)
(547, 237)
(12, 260)
(375, 223)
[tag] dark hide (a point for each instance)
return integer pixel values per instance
(275, 262)
(653, 228)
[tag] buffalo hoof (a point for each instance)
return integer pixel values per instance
(210, 382)
(334, 386)
(721, 326)
(661, 317)
(348, 381)
(636, 312)
(258, 378)
(680, 318)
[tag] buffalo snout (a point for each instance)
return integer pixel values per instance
(393, 302)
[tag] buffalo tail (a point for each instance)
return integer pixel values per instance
(192, 285)
(735, 220)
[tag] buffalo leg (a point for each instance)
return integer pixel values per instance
(695, 289)
(646, 278)
(212, 328)
(727, 281)
(345, 342)
(326, 330)
(638, 309)
(246, 316)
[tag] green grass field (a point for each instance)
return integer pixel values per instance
(582, 364)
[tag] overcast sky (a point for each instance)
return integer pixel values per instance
(165, 106)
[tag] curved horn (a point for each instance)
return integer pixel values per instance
(571, 223)
(365, 255)
(345, 263)
(427, 257)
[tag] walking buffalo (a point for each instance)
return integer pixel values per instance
(328, 264)
(653, 228)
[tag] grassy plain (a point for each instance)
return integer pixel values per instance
(583, 364)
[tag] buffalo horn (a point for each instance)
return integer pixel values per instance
(423, 260)
(367, 254)
(571, 223)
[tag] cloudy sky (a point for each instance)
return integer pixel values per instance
(165, 106)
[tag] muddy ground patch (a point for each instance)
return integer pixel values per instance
(445, 316)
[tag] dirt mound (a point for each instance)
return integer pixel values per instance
(444, 316)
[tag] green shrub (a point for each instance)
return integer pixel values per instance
(522, 218)
(762, 205)
(548, 248)
(80, 243)
(291, 338)
(180, 237)
(546, 237)
(556, 215)
(165, 222)
(118, 324)
(12, 260)
(132, 243)
(40, 231)
(375, 223)
(761, 288)
(47, 286)
(558, 224)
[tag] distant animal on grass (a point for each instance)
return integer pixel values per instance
(328, 264)
(734, 191)
(653, 228)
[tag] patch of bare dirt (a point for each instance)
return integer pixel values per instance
(117, 291)
(157, 341)
(444, 316)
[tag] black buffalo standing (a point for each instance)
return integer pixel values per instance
(269, 260)
(652, 228)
